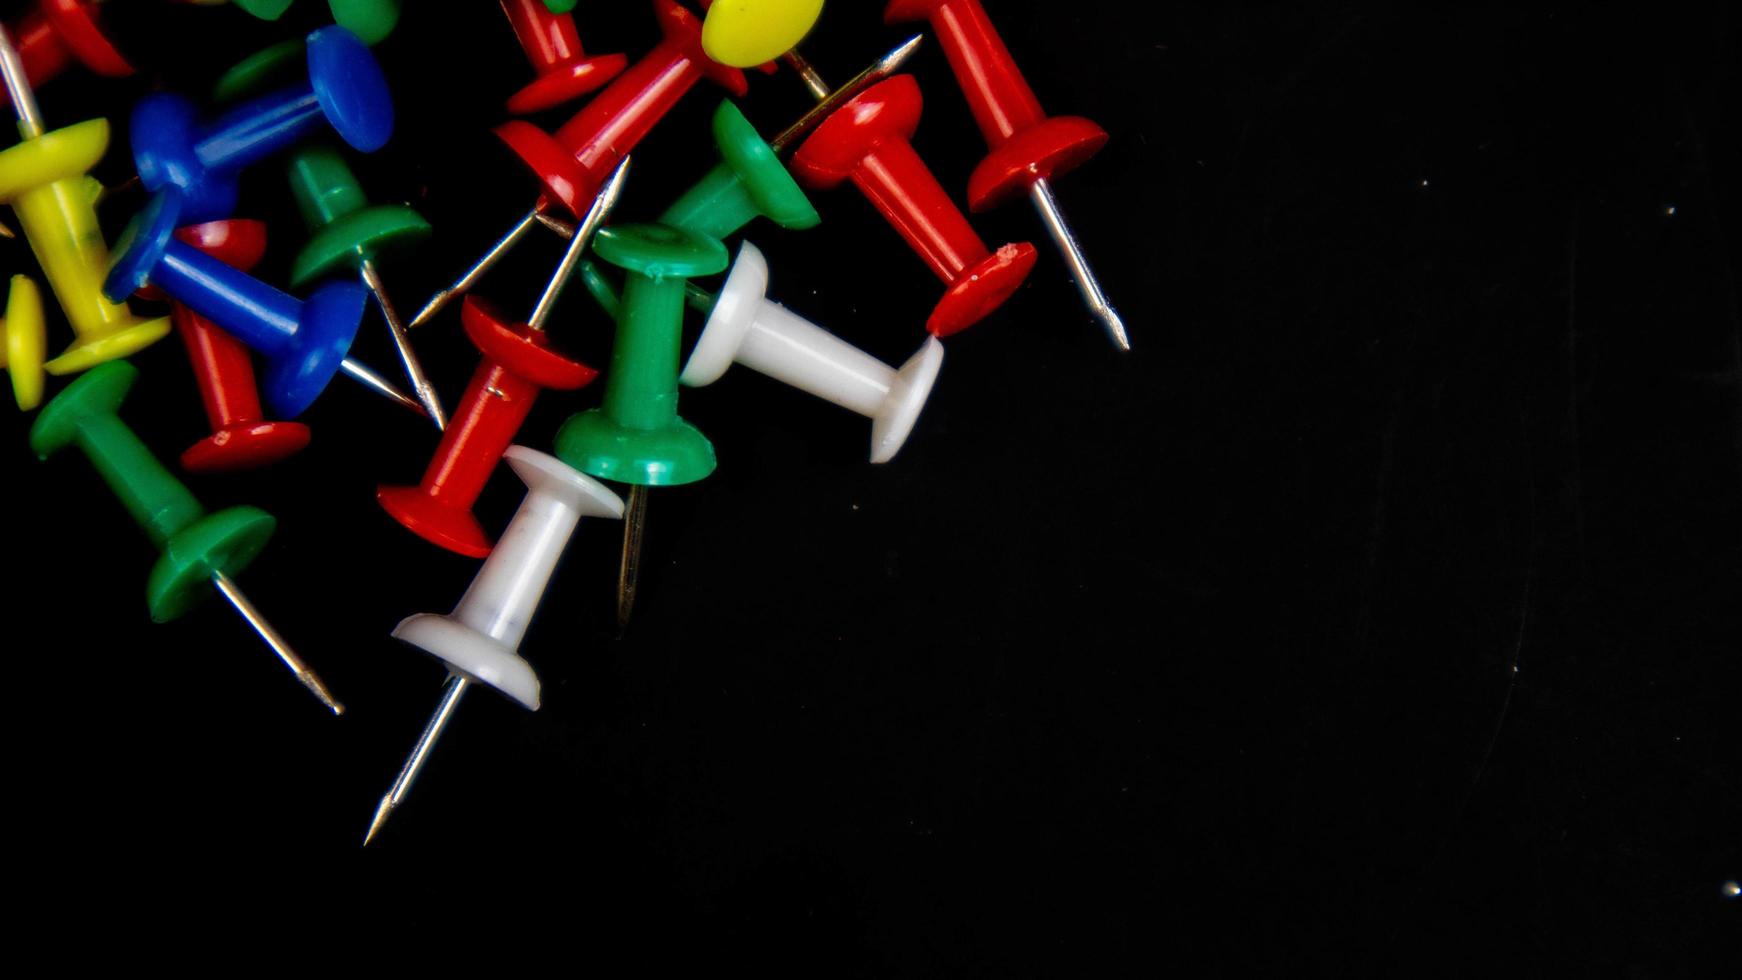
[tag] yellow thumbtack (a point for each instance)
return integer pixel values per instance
(746, 33)
(26, 341)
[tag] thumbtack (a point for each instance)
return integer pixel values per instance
(883, 68)
(746, 328)
(59, 32)
(1029, 148)
(197, 548)
(304, 343)
(26, 341)
(553, 45)
(241, 438)
(867, 142)
(636, 437)
(201, 164)
(517, 364)
(480, 640)
(348, 233)
(748, 183)
(43, 178)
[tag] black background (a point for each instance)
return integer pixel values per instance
(1378, 613)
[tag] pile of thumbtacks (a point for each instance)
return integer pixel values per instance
(261, 355)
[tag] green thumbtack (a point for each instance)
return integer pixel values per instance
(750, 182)
(348, 233)
(196, 548)
(636, 437)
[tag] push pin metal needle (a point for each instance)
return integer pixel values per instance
(196, 548)
(1029, 147)
(480, 640)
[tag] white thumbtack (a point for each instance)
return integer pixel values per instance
(749, 329)
(480, 639)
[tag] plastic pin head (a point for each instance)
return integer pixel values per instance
(746, 33)
(553, 46)
(26, 341)
(347, 230)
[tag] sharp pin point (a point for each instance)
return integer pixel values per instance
(470, 277)
(1060, 231)
(372, 380)
(383, 810)
(276, 641)
(829, 101)
(578, 239)
(452, 692)
(414, 372)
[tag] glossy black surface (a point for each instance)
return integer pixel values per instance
(1378, 615)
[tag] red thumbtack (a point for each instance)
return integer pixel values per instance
(241, 437)
(58, 32)
(866, 141)
(575, 162)
(517, 364)
(1029, 148)
(553, 46)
